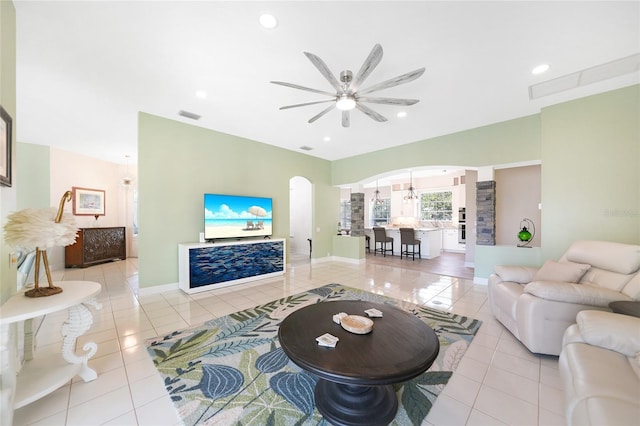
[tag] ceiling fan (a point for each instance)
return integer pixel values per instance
(348, 94)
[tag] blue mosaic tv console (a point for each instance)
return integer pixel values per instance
(206, 266)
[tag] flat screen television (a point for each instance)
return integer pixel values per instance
(237, 216)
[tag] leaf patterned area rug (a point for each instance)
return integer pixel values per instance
(232, 371)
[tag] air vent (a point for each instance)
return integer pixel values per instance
(190, 115)
(587, 76)
(306, 148)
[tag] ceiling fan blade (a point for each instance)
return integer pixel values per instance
(368, 66)
(321, 113)
(306, 104)
(401, 79)
(346, 119)
(324, 70)
(308, 89)
(371, 113)
(388, 101)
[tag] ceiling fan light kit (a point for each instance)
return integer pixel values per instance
(347, 94)
(345, 103)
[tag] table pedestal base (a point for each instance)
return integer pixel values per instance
(344, 405)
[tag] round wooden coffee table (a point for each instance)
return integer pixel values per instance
(356, 376)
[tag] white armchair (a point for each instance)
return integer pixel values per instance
(537, 305)
(600, 369)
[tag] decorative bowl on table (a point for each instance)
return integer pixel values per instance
(357, 324)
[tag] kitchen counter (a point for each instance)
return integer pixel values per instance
(430, 240)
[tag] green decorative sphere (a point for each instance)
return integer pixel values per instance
(524, 235)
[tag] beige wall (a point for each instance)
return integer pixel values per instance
(72, 169)
(518, 194)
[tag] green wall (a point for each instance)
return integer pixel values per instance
(8, 278)
(506, 142)
(178, 163)
(590, 154)
(589, 149)
(591, 170)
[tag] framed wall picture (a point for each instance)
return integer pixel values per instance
(88, 202)
(5, 148)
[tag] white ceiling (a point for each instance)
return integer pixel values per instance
(85, 68)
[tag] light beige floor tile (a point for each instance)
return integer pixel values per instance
(550, 377)
(462, 389)
(512, 384)
(552, 399)
(140, 369)
(127, 419)
(136, 339)
(106, 382)
(158, 412)
(472, 368)
(146, 390)
(448, 411)
(506, 408)
(101, 409)
(478, 418)
(548, 418)
(525, 368)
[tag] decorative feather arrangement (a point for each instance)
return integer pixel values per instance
(31, 228)
(40, 229)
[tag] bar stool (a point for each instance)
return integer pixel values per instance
(380, 235)
(408, 238)
(368, 243)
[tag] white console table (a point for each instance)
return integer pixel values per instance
(205, 266)
(41, 376)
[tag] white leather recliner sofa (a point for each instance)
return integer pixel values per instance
(537, 305)
(600, 370)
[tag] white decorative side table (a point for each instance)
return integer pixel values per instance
(39, 377)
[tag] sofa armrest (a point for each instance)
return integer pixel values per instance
(616, 332)
(516, 274)
(574, 293)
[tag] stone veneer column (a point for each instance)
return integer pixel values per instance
(357, 214)
(486, 213)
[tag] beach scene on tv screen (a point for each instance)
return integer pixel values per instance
(232, 216)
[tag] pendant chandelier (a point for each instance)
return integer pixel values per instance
(411, 192)
(376, 200)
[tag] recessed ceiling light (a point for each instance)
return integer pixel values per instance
(540, 69)
(201, 94)
(268, 21)
(327, 138)
(402, 114)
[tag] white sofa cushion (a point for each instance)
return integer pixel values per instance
(615, 257)
(516, 274)
(616, 332)
(568, 272)
(606, 279)
(632, 288)
(574, 293)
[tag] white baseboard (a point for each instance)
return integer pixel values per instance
(478, 280)
(145, 291)
(338, 259)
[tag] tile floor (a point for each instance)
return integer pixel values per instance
(498, 382)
